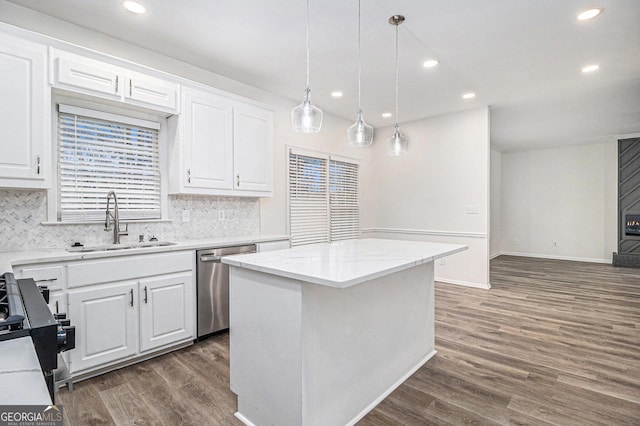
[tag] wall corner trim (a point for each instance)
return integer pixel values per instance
(426, 232)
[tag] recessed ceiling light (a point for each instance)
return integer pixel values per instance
(590, 68)
(336, 94)
(585, 15)
(386, 114)
(468, 96)
(134, 6)
(430, 63)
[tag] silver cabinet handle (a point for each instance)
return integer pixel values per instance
(131, 294)
(217, 259)
(145, 294)
(46, 280)
(130, 88)
(57, 310)
(38, 164)
(188, 175)
(238, 180)
(117, 84)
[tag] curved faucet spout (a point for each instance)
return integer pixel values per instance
(116, 219)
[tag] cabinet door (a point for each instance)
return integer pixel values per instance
(106, 324)
(208, 140)
(24, 116)
(145, 90)
(166, 310)
(253, 141)
(89, 76)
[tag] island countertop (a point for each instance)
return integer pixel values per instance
(346, 263)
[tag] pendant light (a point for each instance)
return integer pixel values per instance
(360, 134)
(306, 117)
(397, 144)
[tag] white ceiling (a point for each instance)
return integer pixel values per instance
(521, 57)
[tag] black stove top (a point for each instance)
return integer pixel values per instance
(24, 312)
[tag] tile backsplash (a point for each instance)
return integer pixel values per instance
(23, 212)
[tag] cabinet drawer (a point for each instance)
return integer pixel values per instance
(51, 276)
(90, 272)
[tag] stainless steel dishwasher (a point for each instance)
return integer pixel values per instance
(212, 287)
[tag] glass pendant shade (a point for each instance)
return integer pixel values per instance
(360, 134)
(306, 117)
(397, 144)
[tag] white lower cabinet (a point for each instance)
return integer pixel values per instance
(106, 321)
(123, 307)
(166, 312)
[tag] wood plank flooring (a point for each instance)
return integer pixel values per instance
(553, 342)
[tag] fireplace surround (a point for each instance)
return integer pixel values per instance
(628, 254)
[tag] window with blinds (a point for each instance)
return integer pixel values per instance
(323, 198)
(100, 152)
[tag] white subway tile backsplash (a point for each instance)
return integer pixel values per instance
(22, 214)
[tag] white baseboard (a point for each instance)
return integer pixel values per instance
(556, 257)
(463, 283)
(238, 415)
(390, 389)
(493, 256)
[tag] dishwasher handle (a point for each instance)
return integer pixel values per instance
(213, 259)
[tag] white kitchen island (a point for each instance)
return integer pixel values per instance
(322, 333)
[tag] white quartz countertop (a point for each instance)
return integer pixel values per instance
(20, 374)
(42, 255)
(344, 263)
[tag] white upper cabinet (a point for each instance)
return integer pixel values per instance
(24, 114)
(221, 146)
(253, 141)
(145, 90)
(207, 141)
(80, 74)
(88, 76)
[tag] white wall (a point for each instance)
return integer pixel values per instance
(425, 194)
(495, 228)
(567, 195)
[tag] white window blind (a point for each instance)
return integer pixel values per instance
(323, 198)
(100, 152)
(343, 200)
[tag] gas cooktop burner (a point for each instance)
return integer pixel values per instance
(11, 309)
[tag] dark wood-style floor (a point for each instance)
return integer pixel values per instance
(553, 342)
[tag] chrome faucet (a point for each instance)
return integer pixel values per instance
(116, 219)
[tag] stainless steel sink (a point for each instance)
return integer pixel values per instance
(111, 247)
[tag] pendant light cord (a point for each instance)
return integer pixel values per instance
(307, 44)
(359, 62)
(397, 120)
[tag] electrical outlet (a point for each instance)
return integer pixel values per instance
(186, 215)
(516, 242)
(221, 215)
(442, 261)
(472, 210)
